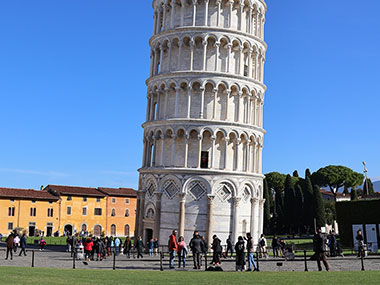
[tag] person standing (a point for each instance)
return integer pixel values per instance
(360, 240)
(88, 245)
(10, 244)
(182, 252)
(117, 245)
(319, 249)
(230, 247)
(197, 247)
(23, 244)
(151, 247)
(173, 247)
(275, 246)
(127, 247)
(16, 242)
(263, 246)
(332, 243)
(155, 246)
(240, 254)
(251, 251)
(140, 246)
(217, 250)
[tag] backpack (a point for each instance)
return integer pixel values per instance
(262, 242)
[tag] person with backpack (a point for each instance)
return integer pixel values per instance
(230, 247)
(217, 250)
(320, 249)
(240, 254)
(23, 244)
(263, 246)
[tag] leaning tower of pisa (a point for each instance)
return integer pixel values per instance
(203, 135)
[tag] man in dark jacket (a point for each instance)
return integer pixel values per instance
(230, 247)
(197, 247)
(217, 250)
(23, 245)
(10, 245)
(319, 248)
(251, 251)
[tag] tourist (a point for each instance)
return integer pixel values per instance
(319, 249)
(150, 247)
(104, 244)
(263, 246)
(332, 243)
(117, 245)
(281, 246)
(155, 246)
(140, 246)
(240, 254)
(23, 244)
(182, 252)
(10, 244)
(42, 244)
(127, 247)
(217, 250)
(88, 245)
(16, 242)
(230, 247)
(275, 246)
(360, 240)
(173, 247)
(250, 252)
(68, 243)
(197, 247)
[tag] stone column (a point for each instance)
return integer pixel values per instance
(194, 12)
(169, 57)
(191, 54)
(250, 20)
(257, 218)
(147, 118)
(188, 101)
(158, 115)
(235, 226)
(182, 214)
(228, 92)
(158, 22)
(206, 12)
(154, 152)
(253, 220)
(240, 95)
(204, 65)
(161, 58)
(248, 156)
(241, 8)
(157, 222)
(186, 150)
(151, 63)
(183, 3)
(237, 146)
(256, 65)
(229, 46)
(241, 61)
(172, 14)
(261, 217)
(215, 102)
(144, 152)
(141, 216)
(138, 202)
(164, 17)
(262, 68)
(250, 63)
(180, 44)
(227, 140)
(203, 91)
(154, 22)
(210, 218)
(212, 161)
(165, 115)
(162, 137)
(199, 151)
(177, 90)
(217, 47)
(231, 4)
(257, 23)
(173, 149)
(218, 13)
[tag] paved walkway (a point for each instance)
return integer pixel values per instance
(58, 259)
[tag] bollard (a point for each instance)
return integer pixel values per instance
(74, 260)
(304, 254)
(32, 258)
(161, 257)
(114, 260)
(206, 261)
(257, 262)
(362, 260)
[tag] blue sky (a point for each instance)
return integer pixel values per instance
(73, 94)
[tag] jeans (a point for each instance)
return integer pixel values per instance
(251, 261)
(275, 251)
(172, 256)
(117, 250)
(22, 251)
(9, 251)
(151, 252)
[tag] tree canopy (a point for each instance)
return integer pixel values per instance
(276, 181)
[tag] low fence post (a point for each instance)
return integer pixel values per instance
(161, 266)
(74, 259)
(304, 254)
(362, 261)
(206, 261)
(32, 258)
(257, 262)
(114, 259)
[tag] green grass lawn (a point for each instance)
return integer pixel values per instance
(16, 275)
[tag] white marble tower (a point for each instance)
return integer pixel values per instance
(203, 135)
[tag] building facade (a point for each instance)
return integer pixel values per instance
(68, 209)
(203, 135)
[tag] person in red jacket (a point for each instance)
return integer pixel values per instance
(173, 247)
(88, 244)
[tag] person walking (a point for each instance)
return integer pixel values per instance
(16, 242)
(230, 247)
(151, 247)
(319, 249)
(23, 244)
(140, 247)
(360, 240)
(332, 243)
(127, 247)
(155, 246)
(182, 252)
(217, 250)
(275, 246)
(173, 247)
(263, 246)
(117, 246)
(250, 252)
(197, 247)
(88, 245)
(10, 244)
(240, 254)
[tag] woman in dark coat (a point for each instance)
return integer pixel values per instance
(240, 254)
(217, 250)
(127, 247)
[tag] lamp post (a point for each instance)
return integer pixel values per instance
(366, 179)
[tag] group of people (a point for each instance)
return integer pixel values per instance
(199, 247)
(16, 240)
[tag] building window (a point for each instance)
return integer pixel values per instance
(113, 200)
(98, 200)
(204, 159)
(98, 211)
(33, 212)
(69, 198)
(127, 212)
(127, 201)
(84, 211)
(10, 226)
(126, 230)
(84, 199)
(50, 202)
(33, 201)
(12, 200)
(11, 211)
(68, 210)
(50, 212)
(113, 212)
(113, 230)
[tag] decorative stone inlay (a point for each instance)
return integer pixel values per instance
(224, 193)
(151, 189)
(246, 194)
(171, 189)
(197, 190)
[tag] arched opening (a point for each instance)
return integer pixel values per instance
(126, 230)
(113, 230)
(97, 230)
(113, 212)
(68, 229)
(206, 150)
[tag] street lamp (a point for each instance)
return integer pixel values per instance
(366, 179)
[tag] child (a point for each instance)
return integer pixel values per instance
(42, 243)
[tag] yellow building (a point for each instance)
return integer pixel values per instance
(29, 210)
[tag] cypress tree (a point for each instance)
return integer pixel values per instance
(368, 185)
(319, 207)
(295, 174)
(268, 198)
(354, 195)
(279, 208)
(307, 173)
(289, 199)
(299, 207)
(308, 203)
